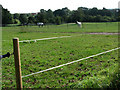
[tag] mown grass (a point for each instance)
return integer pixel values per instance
(97, 72)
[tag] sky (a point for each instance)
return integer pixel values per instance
(33, 6)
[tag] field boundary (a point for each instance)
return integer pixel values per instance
(44, 39)
(70, 62)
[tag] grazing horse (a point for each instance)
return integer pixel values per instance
(79, 24)
(40, 24)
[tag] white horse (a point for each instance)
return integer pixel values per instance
(40, 24)
(79, 24)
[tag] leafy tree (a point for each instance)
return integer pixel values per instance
(58, 20)
(77, 15)
(105, 12)
(93, 11)
(6, 17)
(50, 16)
(107, 19)
(41, 16)
(118, 16)
(58, 12)
(88, 18)
(98, 18)
(16, 16)
(31, 19)
(23, 18)
(65, 14)
(42, 11)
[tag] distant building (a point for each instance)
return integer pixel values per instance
(34, 13)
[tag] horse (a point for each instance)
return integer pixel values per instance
(40, 24)
(79, 24)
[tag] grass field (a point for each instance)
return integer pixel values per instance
(97, 72)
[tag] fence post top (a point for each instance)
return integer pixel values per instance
(15, 38)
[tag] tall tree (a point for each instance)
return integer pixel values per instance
(31, 19)
(6, 17)
(16, 16)
(93, 11)
(58, 20)
(105, 12)
(50, 16)
(65, 14)
(23, 18)
(77, 15)
(41, 16)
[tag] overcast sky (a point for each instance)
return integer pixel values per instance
(28, 6)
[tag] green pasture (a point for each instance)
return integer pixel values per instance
(97, 72)
(67, 28)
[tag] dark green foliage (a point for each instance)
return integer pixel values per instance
(58, 20)
(6, 17)
(41, 16)
(64, 15)
(31, 19)
(81, 14)
(23, 18)
(16, 16)
(50, 16)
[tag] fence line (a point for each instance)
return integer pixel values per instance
(70, 62)
(44, 39)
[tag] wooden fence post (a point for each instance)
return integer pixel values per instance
(17, 63)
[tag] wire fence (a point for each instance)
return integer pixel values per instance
(71, 62)
(18, 63)
(44, 39)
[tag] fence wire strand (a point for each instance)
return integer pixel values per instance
(44, 39)
(70, 62)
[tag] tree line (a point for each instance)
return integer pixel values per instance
(60, 16)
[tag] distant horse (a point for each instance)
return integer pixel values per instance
(79, 24)
(40, 24)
